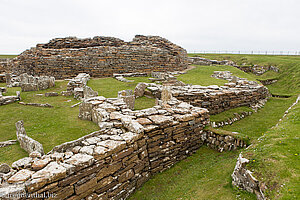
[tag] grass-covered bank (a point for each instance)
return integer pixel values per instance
(275, 158)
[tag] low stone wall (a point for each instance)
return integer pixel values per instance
(100, 57)
(113, 162)
(217, 99)
(242, 178)
(268, 81)
(255, 69)
(231, 120)
(222, 142)
(4, 64)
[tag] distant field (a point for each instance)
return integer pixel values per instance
(8, 56)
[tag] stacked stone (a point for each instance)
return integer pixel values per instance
(34, 83)
(217, 99)
(2, 78)
(222, 142)
(255, 69)
(113, 162)
(78, 87)
(29, 83)
(172, 133)
(9, 99)
(128, 97)
(166, 78)
(62, 58)
(3, 64)
(268, 81)
(229, 121)
(27, 143)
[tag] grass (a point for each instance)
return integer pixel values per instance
(8, 56)
(201, 75)
(257, 123)
(229, 113)
(288, 77)
(204, 175)
(54, 126)
(275, 159)
(49, 126)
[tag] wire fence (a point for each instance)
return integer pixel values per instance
(291, 53)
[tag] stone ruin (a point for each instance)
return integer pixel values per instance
(27, 143)
(29, 83)
(217, 98)
(113, 162)
(78, 87)
(255, 69)
(100, 57)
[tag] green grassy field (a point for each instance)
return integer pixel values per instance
(53, 126)
(7, 56)
(201, 75)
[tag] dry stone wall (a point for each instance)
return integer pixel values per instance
(4, 64)
(113, 162)
(100, 57)
(255, 69)
(217, 99)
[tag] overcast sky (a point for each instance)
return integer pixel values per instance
(196, 25)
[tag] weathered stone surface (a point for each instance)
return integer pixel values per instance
(27, 143)
(243, 178)
(143, 54)
(40, 163)
(20, 176)
(51, 94)
(140, 89)
(160, 119)
(4, 168)
(22, 163)
(144, 121)
(80, 160)
(128, 98)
